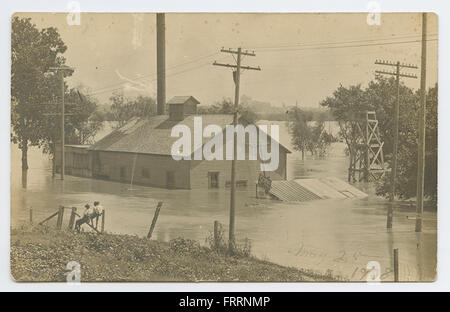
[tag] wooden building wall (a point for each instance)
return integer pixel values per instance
(190, 107)
(151, 170)
(247, 171)
(154, 170)
(77, 160)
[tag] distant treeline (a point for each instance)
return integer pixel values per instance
(317, 115)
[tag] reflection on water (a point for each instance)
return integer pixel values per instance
(337, 235)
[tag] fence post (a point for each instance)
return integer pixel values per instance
(72, 218)
(31, 215)
(48, 218)
(60, 217)
(396, 265)
(103, 221)
(216, 234)
(155, 218)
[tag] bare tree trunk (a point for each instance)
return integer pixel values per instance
(350, 166)
(350, 152)
(53, 166)
(53, 160)
(24, 162)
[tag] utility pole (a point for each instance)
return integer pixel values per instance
(56, 114)
(161, 62)
(236, 77)
(397, 75)
(60, 70)
(422, 122)
(63, 132)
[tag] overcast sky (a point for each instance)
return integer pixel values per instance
(303, 57)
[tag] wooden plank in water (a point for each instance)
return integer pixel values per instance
(302, 190)
(291, 191)
(343, 187)
(319, 188)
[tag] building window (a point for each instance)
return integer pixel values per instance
(170, 179)
(213, 179)
(241, 183)
(145, 173)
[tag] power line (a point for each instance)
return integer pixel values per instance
(307, 46)
(103, 89)
(403, 36)
(117, 85)
(345, 46)
(272, 49)
(338, 42)
(167, 76)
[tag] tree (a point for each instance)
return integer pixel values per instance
(407, 153)
(33, 52)
(347, 104)
(380, 96)
(89, 128)
(320, 140)
(82, 122)
(144, 106)
(226, 106)
(299, 130)
(118, 109)
(123, 109)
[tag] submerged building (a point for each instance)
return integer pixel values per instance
(140, 152)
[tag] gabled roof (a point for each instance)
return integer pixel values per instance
(152, 135)
(181, 99)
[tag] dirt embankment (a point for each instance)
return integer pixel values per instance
(41, 254)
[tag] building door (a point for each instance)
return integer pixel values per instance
(213, 179)
(170, 180)
(122, 174)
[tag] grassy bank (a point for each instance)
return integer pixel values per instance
(41, 253)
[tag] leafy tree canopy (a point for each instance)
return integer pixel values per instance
(123, 109)
(226, 106)
(348, 103)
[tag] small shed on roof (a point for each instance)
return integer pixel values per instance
(182, 105)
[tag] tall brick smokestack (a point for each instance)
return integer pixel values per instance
(161, 62)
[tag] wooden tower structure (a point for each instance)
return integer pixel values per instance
(367, 159)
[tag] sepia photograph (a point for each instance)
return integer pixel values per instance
(223, 147)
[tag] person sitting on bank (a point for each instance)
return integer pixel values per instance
(98, 211)
(87, 216)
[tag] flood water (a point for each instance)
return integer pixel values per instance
(337, 236)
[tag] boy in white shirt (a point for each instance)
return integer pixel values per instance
(98, 211)
(87, 215)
